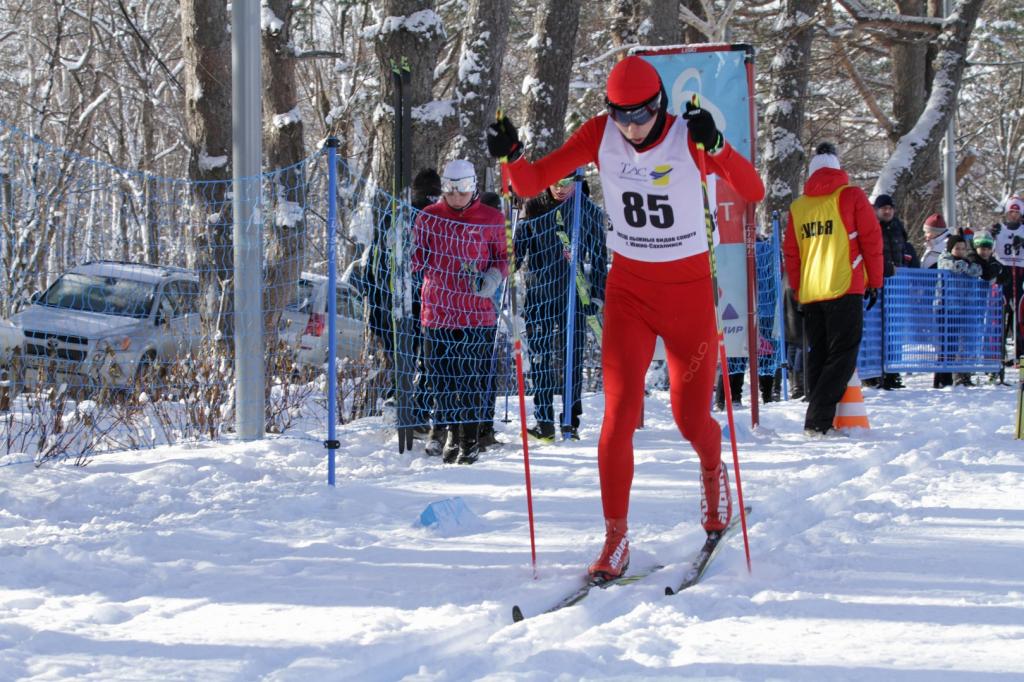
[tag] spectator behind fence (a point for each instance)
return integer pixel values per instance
(1009, 251)
(425, 190)
(833, 250)
(897, 252)
(951, 309)
(935, 233)
(548, 262)
(984, 244)
(459, 245)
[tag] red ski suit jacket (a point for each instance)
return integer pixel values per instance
(529, 179)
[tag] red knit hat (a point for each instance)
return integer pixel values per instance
(632, 82)
(935, 220)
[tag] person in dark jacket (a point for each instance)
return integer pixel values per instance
(426, 190)
(548, 268)
(897, 252)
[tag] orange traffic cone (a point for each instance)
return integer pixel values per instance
(850, 412)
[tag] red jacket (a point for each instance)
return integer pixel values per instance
(451, 248)
(529, 179)
(858, 216)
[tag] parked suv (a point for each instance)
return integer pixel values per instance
(108, 323)
(304, 321)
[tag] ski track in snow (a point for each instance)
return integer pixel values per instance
(894, 554)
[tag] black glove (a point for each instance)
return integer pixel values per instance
(871, 296)
(1018, 243)
(503, 140)
(702, 128)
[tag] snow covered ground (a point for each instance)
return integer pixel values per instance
(892, 555)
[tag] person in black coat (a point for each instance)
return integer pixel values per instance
(897, 252)
(548, 278)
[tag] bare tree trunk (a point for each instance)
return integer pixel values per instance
(483, 52)
(916, 153)
(206, 45)
(283, 150)
(784, 155)
(547, 85)
(666, 29)
(413, 32)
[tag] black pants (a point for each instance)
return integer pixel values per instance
(547, 334)
(834, 331)
(458, 365)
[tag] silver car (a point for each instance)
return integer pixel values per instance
(106, 323)
(304, 321)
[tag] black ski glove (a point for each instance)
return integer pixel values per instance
(503, 140)
(871, 296)
(701, 125)
(1018, 243)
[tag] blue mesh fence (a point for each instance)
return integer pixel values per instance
(941, 321)
(770, 327)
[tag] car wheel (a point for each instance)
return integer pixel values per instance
(147, 376)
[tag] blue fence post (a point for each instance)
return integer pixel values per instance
(332, 307)
(570, 309)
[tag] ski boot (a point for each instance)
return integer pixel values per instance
(614, 558)
(543, 431)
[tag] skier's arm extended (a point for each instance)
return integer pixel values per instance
(530, 179)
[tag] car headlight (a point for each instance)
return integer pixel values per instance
(114, 344)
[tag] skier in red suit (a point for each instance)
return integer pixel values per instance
(660, 280)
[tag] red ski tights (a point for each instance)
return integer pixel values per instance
(637, 310)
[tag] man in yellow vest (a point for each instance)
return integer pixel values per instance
(833, 252)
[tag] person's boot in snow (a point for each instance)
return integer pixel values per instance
(435, 444)
(614, 558)
(451, 446)
(716, 500)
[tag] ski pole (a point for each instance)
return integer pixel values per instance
(511, 222)
(709, 228)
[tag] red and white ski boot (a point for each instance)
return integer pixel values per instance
(614, 558)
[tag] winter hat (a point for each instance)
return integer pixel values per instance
(491, 199)
(884, 200)
(935, 220)
(824, 157)
(953, 240)
(632, 82)
(458, 174)
(983, 239)
(427, 182)
(1015, 203)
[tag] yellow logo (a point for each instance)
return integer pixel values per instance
(660, 175)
